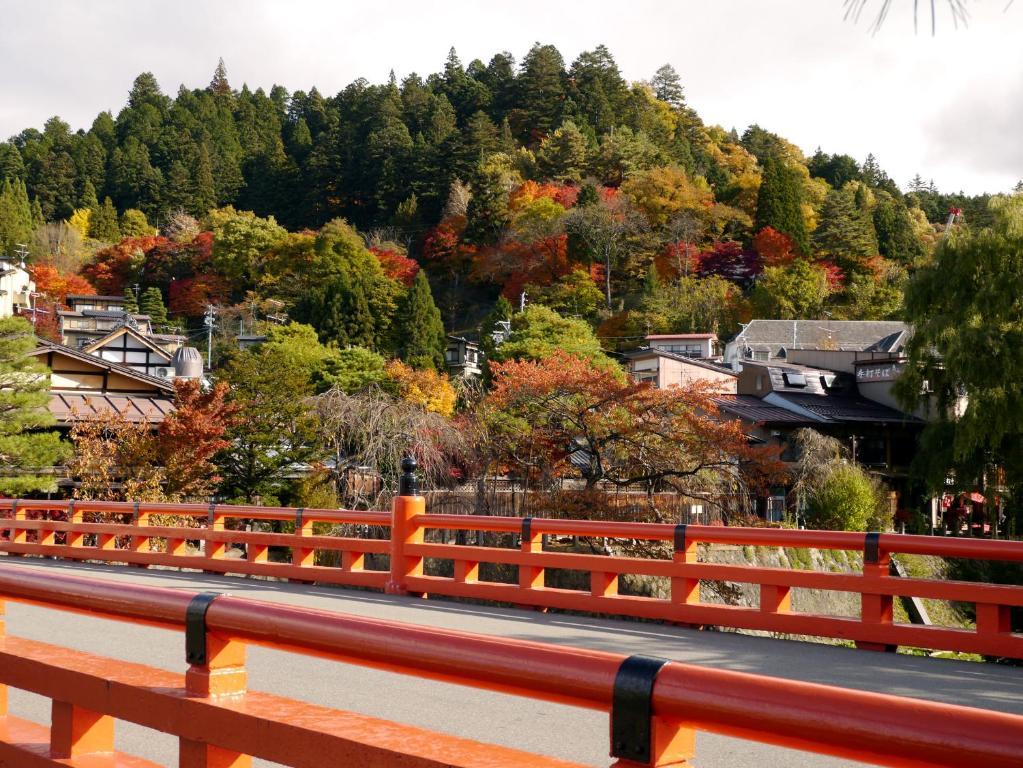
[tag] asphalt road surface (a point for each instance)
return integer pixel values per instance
(550, 729)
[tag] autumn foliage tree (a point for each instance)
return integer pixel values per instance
(121, 459)
(56, 285)
(562, 413)
(189, 438)
(775, 248)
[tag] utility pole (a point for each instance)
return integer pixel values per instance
(209, 320)
(522, 300)
(21, 251)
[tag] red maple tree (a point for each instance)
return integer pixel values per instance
(774, 247)
(567, 416)
(396, 266)
(189, 438)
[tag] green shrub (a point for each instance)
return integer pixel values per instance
(846, 500)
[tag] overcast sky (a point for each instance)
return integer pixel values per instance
(949, 106)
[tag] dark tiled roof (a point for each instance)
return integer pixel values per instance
(750, 408)
(855, 335)
(838, 408)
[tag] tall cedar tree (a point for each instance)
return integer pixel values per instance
(131, 301)
(26, 446)
(151, 303)
(419, 330)
(845, 235)
(15, 216)
(103, 223)
(780, 203)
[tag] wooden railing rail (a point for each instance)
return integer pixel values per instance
(220, 723)
(400, 565)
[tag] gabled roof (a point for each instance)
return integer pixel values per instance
(44, 346)
(846, 335)
(102, 341)
(699, 362)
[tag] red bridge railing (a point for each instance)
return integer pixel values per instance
(654, 706)
(398, 565)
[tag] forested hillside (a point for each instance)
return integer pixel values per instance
(608, 201)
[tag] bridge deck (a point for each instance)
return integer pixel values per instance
(555, 730)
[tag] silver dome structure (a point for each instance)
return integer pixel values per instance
(188, 363)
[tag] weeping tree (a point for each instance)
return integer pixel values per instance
(371, 430)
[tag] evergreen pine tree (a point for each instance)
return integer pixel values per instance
(131, 301)
(37, 214)
(25, 443)
(151, 303)
(419, 331)
(103, 223)
(88, 198)
(652, 283)
(668, 86)
(779, 204)
(16, 222)
(340, 313)
(841, 234)
(219, 84)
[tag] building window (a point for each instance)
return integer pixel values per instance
(794, 379)
(761, 354)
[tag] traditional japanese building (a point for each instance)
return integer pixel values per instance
(86, 386)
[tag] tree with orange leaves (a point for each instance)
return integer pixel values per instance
(116, 459)
(55, 285)
(774, 247)
(189, 438)
(430, 390)
(562, 415)
(113, 268)
(396, 265)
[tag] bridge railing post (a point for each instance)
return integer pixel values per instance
(19, 535)
(140, 519)
(407, 505)
(875, 609)
(216, 667)
(531, 576)
(76, 731)
(301, 554)
(215, 550)
(75, 516)
(684, 590)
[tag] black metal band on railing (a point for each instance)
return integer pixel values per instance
(527, 530)
(631, 708)
(70, 509)
(299, 514)
(135, 514)
(14, 508)
(211, 516)
(680, 538)
(195, 628)
(872, 549)
(408, 485)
